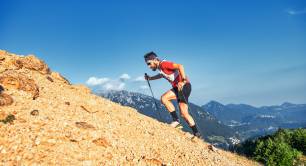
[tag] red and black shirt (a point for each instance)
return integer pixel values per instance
(170, 73)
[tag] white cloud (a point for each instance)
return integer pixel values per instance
(119, 83)
(139, 79)
(296, 12)
(107, 83)
(114, 85)
(94, 81)
(124, 77)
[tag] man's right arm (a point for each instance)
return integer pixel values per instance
(158, 76)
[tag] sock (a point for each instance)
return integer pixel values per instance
(174, 116)
(194, 129)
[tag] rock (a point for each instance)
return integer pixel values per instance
(37, 141)
(153, 161)
(32, 63)
(18, 64)
(34, 113)
(73, 140)
(101, 142)
(49, 78)
(5, 99)
(59, 77)
(89, 111)
(11, 79)
(84, 125)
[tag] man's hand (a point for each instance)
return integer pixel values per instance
(147, 77)
(180, 85)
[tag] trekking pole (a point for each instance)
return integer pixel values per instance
(153, 97)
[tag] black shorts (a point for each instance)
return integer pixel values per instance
(186, 92)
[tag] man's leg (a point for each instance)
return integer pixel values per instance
(166, 100)
(185, 114)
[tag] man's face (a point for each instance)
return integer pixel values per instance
(152, 64)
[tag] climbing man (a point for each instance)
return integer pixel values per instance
(181, 88)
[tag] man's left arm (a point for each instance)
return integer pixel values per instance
(180, 68)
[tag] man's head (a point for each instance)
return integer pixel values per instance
(152, 60)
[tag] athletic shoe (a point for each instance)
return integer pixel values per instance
(175, 124)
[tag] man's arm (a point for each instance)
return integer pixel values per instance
(181, 70)
(158, 76)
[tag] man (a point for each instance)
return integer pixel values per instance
(181, 88)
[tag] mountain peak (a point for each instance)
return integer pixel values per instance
(287, 104)
(55, 123)
(214, 104)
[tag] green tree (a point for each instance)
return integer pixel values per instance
(298, 140)
(282, 148)
(275, 152)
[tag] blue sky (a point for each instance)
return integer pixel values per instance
(237, 51)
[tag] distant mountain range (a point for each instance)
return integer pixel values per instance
(251, 121)
(220, 124)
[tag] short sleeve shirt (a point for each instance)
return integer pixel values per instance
(169, 73)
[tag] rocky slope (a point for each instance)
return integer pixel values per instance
(45, 120)
(212, 130)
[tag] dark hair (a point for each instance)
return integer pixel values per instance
(150, 56)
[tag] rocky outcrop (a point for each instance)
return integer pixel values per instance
(19, 81)
(5, 99)
(12, 61)
(59, 77)
(32, 63)
(68, 125)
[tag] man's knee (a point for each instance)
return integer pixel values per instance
(184, 114)
(163, 99)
